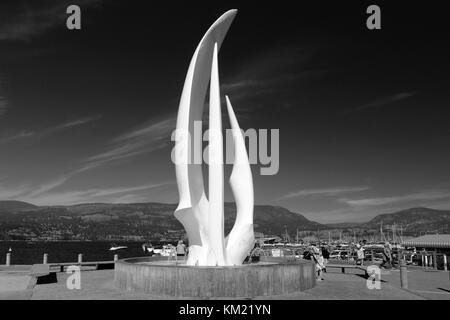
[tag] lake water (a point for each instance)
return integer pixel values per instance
(24, 252)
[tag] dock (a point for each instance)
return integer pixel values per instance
(342, 281)
(18, 281)
(98, 284)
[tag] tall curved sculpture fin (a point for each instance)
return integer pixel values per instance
(241, 238)
(193, 205)
(203, 218)
(215, 152)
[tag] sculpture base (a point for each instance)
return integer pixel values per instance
(157, 276)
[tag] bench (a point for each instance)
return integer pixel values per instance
(99, 265)
(39, 274)
(39, 270)
(347, 266)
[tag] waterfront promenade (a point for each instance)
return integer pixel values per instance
(14, 282)
(98, 284)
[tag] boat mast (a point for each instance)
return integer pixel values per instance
(394, 234)
(318, 235)
(285, 234)
(381, 232)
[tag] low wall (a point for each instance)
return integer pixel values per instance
(171, 280)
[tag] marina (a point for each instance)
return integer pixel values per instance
(99, 284)
(425, 276)
(206, 152)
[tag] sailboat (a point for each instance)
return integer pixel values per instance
(297, 242)
(115, 247)
(287, 238)
(148, 247)
(382, 237)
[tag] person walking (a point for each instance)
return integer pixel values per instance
(326, 256)
(359, 255)
(307, 254)
(318, 259)
(387, 256)
(181, 249)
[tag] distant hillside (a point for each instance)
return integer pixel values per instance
(15, 206)
(267, 219)
(414, 220)
(275, 220)
(99, 221)
(344, 225)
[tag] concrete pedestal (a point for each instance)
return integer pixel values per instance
(167, 278)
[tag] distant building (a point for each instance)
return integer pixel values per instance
(430, 242)
(258, 235)
(269, 239)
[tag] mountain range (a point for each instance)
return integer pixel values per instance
(100, 220)
(414, 220)
(139, 220)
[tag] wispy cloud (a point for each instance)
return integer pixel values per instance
(263, 83)
(21, 21)
(4, 102)
(123, 194)
(43, 194)
(130, 198)
(261, 74)
(49, 131)
(48, 186)
(13, 193)
(149, 137)
(3, 105)
(418, 196)
(323, 192)
(31, 190)
(18, 136)
(152, 136)
(384, 101)
(68, 125)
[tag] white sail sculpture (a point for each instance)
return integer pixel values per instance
(203, 218)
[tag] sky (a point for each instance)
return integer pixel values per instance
(363, 115)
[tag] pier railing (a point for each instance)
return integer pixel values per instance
(62, 265)
(427, 260)
(433, 260)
